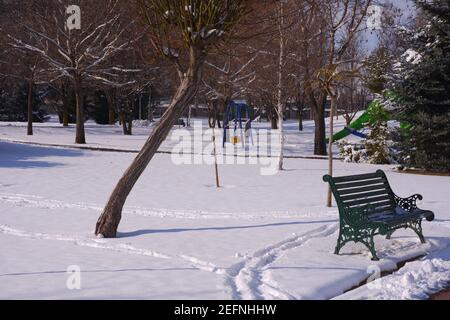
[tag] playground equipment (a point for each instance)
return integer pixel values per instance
(356, 125)
(363, 120)
(234, 115)
(356, 133)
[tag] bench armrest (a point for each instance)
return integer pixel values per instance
(409, 203)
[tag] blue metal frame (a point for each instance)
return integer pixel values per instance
(235, 109)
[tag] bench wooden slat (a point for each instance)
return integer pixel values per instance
(363, 189)
(362, 195)
(357, 177)
(387, 206)
(359, 184)
(372, 201)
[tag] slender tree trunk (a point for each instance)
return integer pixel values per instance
(80, 135)
(124, 125)
(109, 220)
(330, 146)
(216, 166)
(111, 115)
(274, 122)
(149, 106)
(130, 126)
(126, 121)
(140, 106)
(300, 118)
(30, 107)
(111, 108)
(65, 117)
(65, 107)
(320, 134)
(280, 105)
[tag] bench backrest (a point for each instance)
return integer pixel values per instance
(364, 189)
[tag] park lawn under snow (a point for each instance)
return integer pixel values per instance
(110, 136)
(257, 237)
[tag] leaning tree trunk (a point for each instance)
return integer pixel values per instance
(110, 218)
(79, 135)
(30, 108)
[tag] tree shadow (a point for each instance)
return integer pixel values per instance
(178, 230)
(23, 156)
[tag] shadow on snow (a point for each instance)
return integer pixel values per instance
(176, 230)
(25, 156)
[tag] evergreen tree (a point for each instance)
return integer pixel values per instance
(377, 143)
(422, 85)
(377, 66)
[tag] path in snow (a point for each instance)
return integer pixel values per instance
(83, 241)
(32, 201)
(245, 279)
(250, 278)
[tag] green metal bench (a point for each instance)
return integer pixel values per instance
(368, 207)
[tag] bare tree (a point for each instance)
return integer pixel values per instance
(80, 55)
(344, 20)
(183, 31)
(18, 63)
(280, 102)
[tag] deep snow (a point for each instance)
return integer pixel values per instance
(258, 237)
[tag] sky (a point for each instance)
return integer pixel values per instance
(408, 9)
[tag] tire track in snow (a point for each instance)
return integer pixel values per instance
(103, 244)
(86, 242)
(250, 279)
(32, 201)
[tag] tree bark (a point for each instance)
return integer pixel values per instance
(79, 135)
(149, 106)
(216, 166)
(300, 118)
(330, 146)
(65, 107)
(280, 105)
(30, 107)
(109, 220)
(65, 117)
(320, 134)
(125, 123)
(111, 107)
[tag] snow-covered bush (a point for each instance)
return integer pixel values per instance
(378, 142)
(352, 152)
(378, 148)
(141, 123)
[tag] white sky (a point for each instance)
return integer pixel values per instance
(407, 7)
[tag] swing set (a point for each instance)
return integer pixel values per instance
(237, 115)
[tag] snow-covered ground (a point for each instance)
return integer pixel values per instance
(105, 136)
(257, 237)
